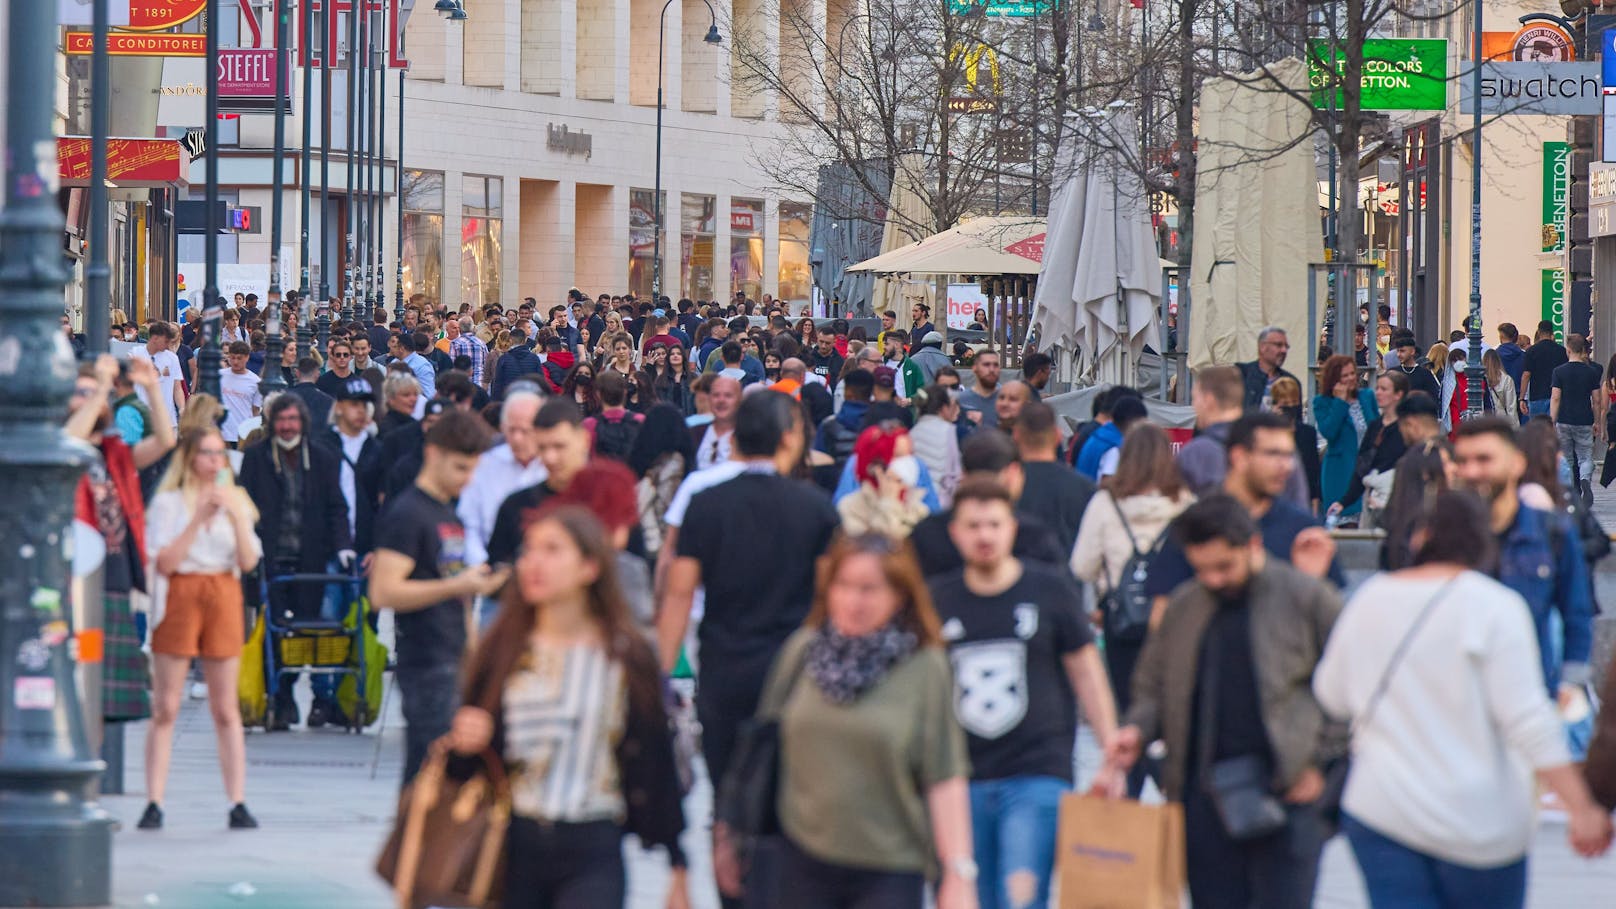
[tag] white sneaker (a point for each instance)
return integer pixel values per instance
(198, 691)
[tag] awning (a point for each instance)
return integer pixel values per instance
(1009, 245)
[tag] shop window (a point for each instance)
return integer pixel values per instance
(698, 233)
(746, 247)
(795, 276)
(423, 233)
(481, 214)
(642, 209)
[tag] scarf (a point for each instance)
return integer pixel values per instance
(846, 667)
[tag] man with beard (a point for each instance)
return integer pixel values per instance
(1538, 552)
(108, 498)
(1225, 681)
(1262, 457)
(302, 523)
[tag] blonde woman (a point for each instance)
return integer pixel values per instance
(200, 527)
(1437, 360)
(1503, 387)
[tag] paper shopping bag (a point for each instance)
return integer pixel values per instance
(1117, 854)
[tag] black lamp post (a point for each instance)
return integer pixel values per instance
(327, 48)
(306, 47)
(97, 272)
(272, 381)
(398, 192)
(712, 37)
(373, 177)
(348, 185)
(55, 841)
(207, 359)
(1474, 370)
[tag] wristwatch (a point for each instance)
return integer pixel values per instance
(963, 867)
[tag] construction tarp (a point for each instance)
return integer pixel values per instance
(1008, 245)
(1256, 214)
(909, 218)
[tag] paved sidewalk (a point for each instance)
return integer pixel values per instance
(325, 799)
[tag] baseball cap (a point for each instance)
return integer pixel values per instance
(436, 406)
(932, 337)
(659, 313)
(356, 389)
(885, 374)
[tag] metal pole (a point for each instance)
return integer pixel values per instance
(372, 234)
(208, 357)
(327, 48)
(1474, 374)
(272, 381)
(97, 272)
(379, 159)
(398, 174)
(359, 194)
(348, 187)
(656, 241)
(55, 841)
(307, 49)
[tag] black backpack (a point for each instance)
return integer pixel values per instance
(1127, 606)
(614, 438)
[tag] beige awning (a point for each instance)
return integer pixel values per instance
(1009, 245)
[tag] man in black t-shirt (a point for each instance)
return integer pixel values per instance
(752, 542)
(1053, 491)
(1420, 378)
(1537, 369)
(988, 451)
(1023, 657)
(1577, 406)
(563, 447)
(421, 574)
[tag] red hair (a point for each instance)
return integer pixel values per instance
(875, 446)
(605, 488)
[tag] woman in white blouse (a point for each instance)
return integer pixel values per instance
(200, 526)
(1437, 667)
(936, 440)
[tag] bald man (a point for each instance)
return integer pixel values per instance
(1012, 397)
(713, 440)
(502, 470)
(793, 372)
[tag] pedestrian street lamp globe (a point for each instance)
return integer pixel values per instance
(713, 37)
(451, 10)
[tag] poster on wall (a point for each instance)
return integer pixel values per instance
(233, 279)
(963, 302)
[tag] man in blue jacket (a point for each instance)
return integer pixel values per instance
(1539, 554)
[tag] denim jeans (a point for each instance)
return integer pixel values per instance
(1013, 824)
(808, 883)
(563, 866)
(430, 694)
(1538, 407)
(1577, 447)
(1398, 877)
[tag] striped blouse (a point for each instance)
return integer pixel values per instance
(565, 709)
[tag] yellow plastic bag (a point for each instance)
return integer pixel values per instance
(250, 689)
(375, 663)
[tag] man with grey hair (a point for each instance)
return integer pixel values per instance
(513, 464)
(465, 343)
(1261, 374)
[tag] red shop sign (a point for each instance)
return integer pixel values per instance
(156, 15)
(130, 162)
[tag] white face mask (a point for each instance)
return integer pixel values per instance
(289, 444)
(906, 468)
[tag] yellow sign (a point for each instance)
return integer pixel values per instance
(973, 59)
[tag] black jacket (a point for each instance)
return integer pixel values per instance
(646, 768)
(1257, 383)
(512, 365)
(324, 527)
(319, 403)
(368, 479)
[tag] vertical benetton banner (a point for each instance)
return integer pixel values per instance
(1556, 196)
(1554, 301)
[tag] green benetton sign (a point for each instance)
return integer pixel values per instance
(1556, 196)
(1002, 7)
(1554, 301)
(1398, 74)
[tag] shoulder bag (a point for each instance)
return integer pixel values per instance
(1126, 606)
(747, 795)
(447, 847)
(1335, 777)
(1240, 787)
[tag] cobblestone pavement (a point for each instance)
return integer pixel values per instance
(325, 799)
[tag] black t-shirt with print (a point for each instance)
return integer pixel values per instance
(418, 526)
(1012, 693)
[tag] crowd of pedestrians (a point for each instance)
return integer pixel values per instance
(909, 571)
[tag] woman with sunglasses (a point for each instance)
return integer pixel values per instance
(872, 795)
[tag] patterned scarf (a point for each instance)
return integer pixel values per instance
(846, 667)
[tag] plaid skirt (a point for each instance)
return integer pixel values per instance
(125, 675)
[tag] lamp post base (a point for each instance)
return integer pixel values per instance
(55, 840)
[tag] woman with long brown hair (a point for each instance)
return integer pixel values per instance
(1343, 413)
(1128, 515)
(873, 796)
(577, 716)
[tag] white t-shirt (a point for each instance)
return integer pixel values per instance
(714, 448)
(351, 448)
(239, 395)
(169, 374)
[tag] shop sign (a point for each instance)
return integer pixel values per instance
(246, 73)
(1556, 195)
(963, 302)
(563, 140)
(124, 44)
(1007, 8)
(1602, 199)
(130, 162)
(741, 221)
(1543, 38)
(1554, 301)
(182, 98)
(1030, 248)
(157, 15)
(1534, 88)
(1398, 74)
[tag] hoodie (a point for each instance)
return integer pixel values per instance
(930, 358)
(512, 365)
(556, 367)
(1514, 360)
(1102, 547)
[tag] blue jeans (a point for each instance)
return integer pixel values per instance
(1538, 407)
(1398, 877)
(1013, 824)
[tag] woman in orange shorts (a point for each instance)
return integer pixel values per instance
(200, 525)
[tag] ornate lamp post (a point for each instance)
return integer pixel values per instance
(348, 186)
(272, 380)
(97, 273)
(55, 841)
(1475, 375)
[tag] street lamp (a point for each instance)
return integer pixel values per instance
(97, 272)
(207, 359)
(1474, 370)
(55, 840)
(306, 47)
(272, 381)
(712, 37)
(348, 149)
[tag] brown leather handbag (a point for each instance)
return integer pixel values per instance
(447, 847)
